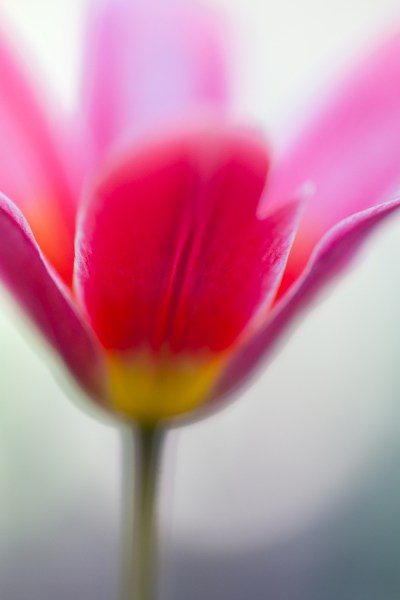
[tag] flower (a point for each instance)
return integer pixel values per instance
(162, 261)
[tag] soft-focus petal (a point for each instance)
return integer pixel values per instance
(31, 170)
(44, 298)
(350, 153)
(334, 254)
(170, 249)
(149, 62)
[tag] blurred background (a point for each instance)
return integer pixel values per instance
(293, 491)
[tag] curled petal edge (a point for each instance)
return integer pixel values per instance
(43, 296)
(332, 256)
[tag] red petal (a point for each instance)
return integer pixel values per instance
(44, 298)
(332, 256)
(170, 249)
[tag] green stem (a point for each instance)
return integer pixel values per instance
(141, 548)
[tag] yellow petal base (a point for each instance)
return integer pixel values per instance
(149, 389)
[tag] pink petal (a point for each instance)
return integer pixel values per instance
(45, 299)
(171, 252)
(148, 62)
(31, 170)
(350, 152)
(332, 256)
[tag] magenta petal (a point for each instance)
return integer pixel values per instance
(148, 62)
(32, 169)
(349, 152)
(45, 299)
(333, 254)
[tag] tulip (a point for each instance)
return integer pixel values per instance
(164, 255)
